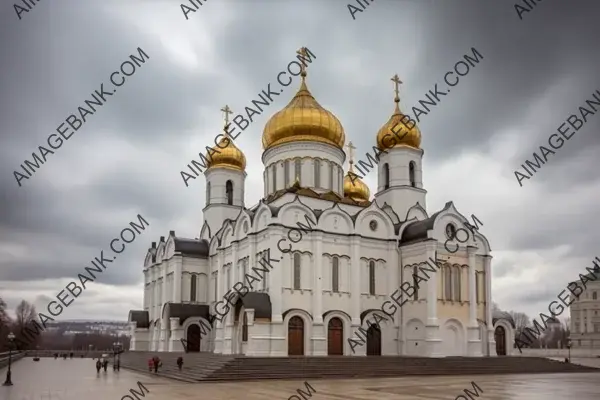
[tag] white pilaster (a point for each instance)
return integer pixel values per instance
(473, 341)
(276, 275)
(355, 273)
(487, 267)
(177, 279)
(432, 328)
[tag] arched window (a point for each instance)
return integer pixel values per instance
(448, 283)
(594, 296)
(386, 176)
(297, 275)
(265, 274)
(457, 282)
(372, 277)
(411, 173)
(207, 193)
(317, 173)
(286, 174)
(193, 288)
(415, 283)
(331, 176)
(275, 177)
(229, 192)
(298, 168)
(245, 328)
(335, 275)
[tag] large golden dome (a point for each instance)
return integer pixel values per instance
(354, 187)
(226, 154)
(401, 135)
(303, 120)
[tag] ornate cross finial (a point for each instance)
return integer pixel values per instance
(227, 111)
(397, 83)
(304, 53)
(350, 148)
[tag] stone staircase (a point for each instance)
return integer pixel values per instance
(214, 367)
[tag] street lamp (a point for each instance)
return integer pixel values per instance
(114, 355)
(569, 347)
(8, 381)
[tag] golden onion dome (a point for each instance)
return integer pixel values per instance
(354, 187)
(303, 120)
(400, 135)
(226, 154)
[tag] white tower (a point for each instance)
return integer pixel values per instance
(225, 181)
(400, 172)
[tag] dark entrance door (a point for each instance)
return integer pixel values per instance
(374, 341)
(500, 338)
(193, 338)
(335, 337)
(296, 337)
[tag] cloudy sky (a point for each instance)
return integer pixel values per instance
(126, 159)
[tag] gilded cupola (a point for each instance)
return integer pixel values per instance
(401, 135)
(354, 187)
(303, 120)
(226, 154)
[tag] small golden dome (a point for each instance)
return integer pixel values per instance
(401, 135)
(227, 156)
(303, 120)
(355, 188)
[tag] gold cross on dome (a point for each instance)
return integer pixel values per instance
(227, 111)
(350, 148)
(397, 83)
(304, 53)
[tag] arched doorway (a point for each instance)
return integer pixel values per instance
(373, 341)
(500, 338)
(193, 338)
(335, 337)
(296, 336)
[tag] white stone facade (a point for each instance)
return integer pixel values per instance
(333, 280)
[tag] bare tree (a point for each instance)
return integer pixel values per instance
(5, 323)
(25, 314)
(521, 322)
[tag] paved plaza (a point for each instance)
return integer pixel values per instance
(76, 379)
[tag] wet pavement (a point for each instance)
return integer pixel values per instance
(76, 379)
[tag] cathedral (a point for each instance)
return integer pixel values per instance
(324, 288)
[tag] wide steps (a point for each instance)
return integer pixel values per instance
(213, 367)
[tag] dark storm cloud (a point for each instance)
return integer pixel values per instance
(126, 158)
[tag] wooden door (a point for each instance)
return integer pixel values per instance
(374, 341)
(500, 338)
(296, 337)
(193, 338)
(335, 337)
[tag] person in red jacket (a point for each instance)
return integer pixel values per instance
(150, 364)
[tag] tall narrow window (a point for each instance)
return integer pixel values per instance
(215, 280)
(483, 288)
(286, 173)
(457, 282)
(298, 170)
(193, 288)
(415, 283)
(297, 271)
(229, 192)
(594, 296)
(229, 271)
(317, 173)
(386, 176)
(477, 289)
(245, 328)
(335, 275)
(275, 177)
(331, 176)
(207, 193)
(372, 277)
(411, 173)
(448, 282)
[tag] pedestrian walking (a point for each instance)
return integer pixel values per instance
(150, 364)
(98, 365)
(105, 365)
(180, 362)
